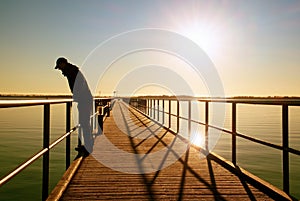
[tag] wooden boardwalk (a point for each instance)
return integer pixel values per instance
(131, 167)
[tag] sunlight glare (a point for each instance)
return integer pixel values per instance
(197, 139)
(207, 37)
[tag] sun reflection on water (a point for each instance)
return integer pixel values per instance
(197, 139)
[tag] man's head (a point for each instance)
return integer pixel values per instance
(61, 63)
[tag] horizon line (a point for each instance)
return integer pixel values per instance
(70, 95)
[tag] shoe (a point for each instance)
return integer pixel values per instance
(80, 148)
(82, 151)
(85, 153)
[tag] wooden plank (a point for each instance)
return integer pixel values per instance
(65, 180)
(188, 178)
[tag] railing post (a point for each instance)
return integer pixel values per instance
(177, 116)
(154, 111)
(170, 114)
(148, 101)
(206, 124)
(100, 119)
(285, 145)
(46, 139)
(189, 118)
(151, 108)
(163, 114)
(140, 105)
(233, 141)
(146, 106)
(158, 110)
(68, 138)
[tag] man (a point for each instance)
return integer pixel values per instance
(82, 95)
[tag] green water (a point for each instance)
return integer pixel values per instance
(21, 131)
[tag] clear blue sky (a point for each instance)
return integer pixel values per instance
(255, 45)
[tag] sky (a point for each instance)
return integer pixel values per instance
(254, 45)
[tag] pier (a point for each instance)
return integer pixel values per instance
(196, 173)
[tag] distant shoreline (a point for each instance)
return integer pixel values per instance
(67, 96)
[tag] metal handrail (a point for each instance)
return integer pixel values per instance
(46, 137)
(24, 103)
(150, 104)
(32, 159)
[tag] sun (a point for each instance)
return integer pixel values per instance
(206, 37)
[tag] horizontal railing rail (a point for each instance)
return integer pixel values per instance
(24, 103)
(44, 152)
(151, 106)
(35, 157)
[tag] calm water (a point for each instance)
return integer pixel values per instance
(21, 131)
(21, 135)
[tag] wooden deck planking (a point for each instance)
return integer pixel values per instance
(189, 178)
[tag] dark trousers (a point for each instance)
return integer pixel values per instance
(85, 111)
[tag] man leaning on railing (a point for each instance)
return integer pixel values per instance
(82, 95)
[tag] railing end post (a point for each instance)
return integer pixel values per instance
(285, 146)
(233, 145)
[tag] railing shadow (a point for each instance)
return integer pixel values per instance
(160, 137)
